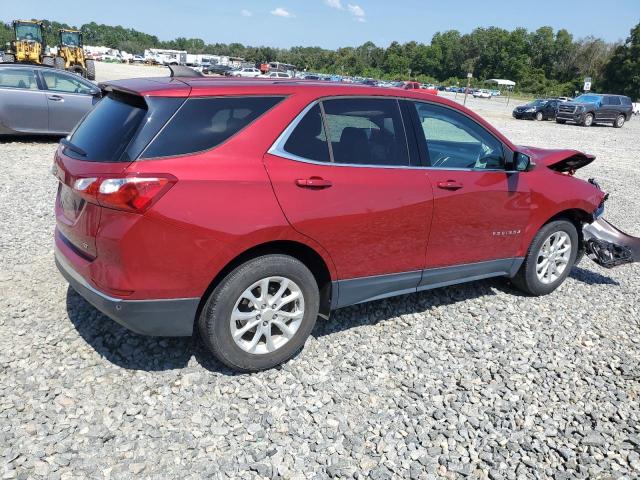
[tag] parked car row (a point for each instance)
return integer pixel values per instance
(585, 110)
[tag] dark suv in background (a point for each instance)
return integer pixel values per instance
(593, 108)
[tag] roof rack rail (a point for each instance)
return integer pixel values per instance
(184, 71)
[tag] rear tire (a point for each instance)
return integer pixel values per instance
(48, 61)
(588, 120)
(91, 69)
(239, 298)
(536, 277)
(8, 58)
(59, 63)
(619, 121)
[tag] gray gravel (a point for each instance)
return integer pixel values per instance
(469, 381)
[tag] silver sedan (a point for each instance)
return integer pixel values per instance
(36, 100)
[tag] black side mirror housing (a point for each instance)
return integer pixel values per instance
(522, 162)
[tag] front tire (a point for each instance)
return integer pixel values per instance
(539, 116)
(561, 122)
(588, 120)
(261, 313)
(619, 121)
(549, 260)
(59, 63)
(91, 69)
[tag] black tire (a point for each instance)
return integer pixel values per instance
(619, 121)
(8, 58)
(539, 116)
(527, 279)
(59, 63)
(214, 321)
(562, 122)
(91, 69)
(48, 61)
(587, 121)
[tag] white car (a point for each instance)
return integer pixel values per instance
(482, 93)
(247, 72)
(277, 75)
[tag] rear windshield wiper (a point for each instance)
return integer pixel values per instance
(73, 147)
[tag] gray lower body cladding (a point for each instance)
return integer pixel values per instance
(162, 317)
(365, 289)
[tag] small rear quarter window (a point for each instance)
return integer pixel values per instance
(203, 123)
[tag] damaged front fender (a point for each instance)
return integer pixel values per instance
(608, 246)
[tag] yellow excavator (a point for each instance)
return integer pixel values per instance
(29, 45)
(71, 54)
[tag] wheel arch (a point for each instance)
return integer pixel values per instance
(313, 260)
(577, 216)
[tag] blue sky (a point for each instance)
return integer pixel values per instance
(333, 23)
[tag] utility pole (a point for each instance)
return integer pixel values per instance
(466, 90)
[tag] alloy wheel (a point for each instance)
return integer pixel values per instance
(267, 315)
(553, 257)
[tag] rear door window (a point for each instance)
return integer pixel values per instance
(366, 131)
(308, 140)
(203, 123)
(23, 78)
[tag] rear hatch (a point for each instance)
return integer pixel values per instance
(103, 145)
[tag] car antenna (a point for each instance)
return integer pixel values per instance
(183, 71)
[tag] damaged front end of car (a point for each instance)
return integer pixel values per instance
(607, 245)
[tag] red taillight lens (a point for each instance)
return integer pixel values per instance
(132, 194)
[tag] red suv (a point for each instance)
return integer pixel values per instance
(247, 208)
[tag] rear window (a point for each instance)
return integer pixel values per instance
(625, 100)
(203, 123)
(107, 130)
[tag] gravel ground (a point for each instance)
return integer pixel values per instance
(468, 381)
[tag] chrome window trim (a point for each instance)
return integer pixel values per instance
(277, 148)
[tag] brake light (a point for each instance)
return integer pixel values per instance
(131, 194)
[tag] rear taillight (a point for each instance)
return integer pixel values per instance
(130, 193)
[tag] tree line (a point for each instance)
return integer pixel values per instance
(543, 61)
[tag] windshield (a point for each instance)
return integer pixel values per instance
(71, 39)
(588, 99)
(30, 32)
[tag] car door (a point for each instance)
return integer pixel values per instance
(605, 112)
(23, 105)
(343, 176)
(69, 98)
(550, 109)
(480, 209)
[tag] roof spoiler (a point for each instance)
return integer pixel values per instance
(183, 71)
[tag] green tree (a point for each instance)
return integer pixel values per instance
(621, 74)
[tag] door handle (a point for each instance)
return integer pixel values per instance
(450, 185)
(56, 98)
(313, 182)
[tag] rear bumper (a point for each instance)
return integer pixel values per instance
(163, 317)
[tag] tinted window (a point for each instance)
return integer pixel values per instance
(203, 123)
(626, 101)
(308, 140)
(456, 141)
(612, 100)
(60, 82)
(366, 131)
(18, 78)
(106, 131)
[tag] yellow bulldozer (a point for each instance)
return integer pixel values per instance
(29, 45)
(71, 54)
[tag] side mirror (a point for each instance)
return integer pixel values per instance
(522, 162)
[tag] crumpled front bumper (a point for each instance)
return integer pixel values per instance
(608, 246)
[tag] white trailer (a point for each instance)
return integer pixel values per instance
(165, 57)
